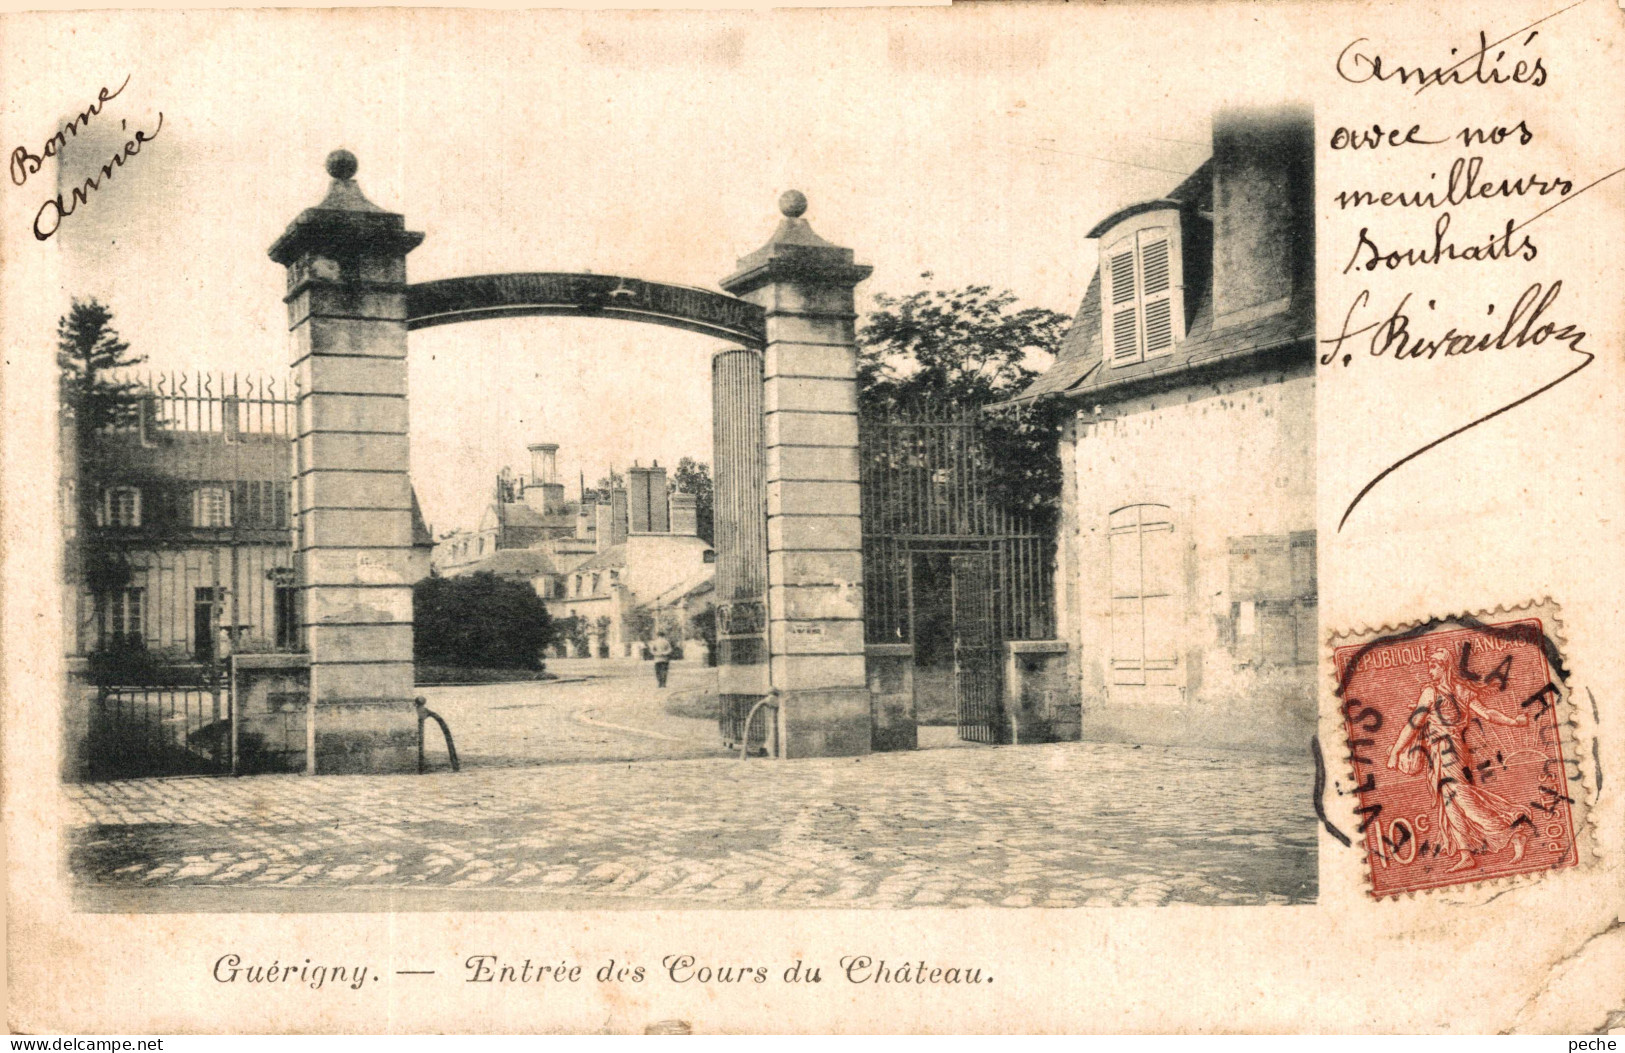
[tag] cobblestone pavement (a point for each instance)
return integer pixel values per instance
(1072, 824)
(615, 717)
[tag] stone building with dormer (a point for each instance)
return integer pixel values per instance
(600, 558)
(1185, 575)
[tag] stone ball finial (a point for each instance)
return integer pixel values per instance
(793, 203)
(341, 164)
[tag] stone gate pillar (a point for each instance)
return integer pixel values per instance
(346, 297)
(814, 541)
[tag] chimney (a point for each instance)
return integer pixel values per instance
(604, 513)
(617, 504)
(1263, 212)
(639, 485)
(684, 517)
(544, 463)
(648, 500)
(659, 513)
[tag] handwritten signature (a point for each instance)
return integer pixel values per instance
(1392, 337)
(25, 163)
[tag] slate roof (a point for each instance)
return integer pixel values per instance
(1079, 370)
(516, 514)
(612, 557)
(512, 563)
(694, 586)
(421, 538)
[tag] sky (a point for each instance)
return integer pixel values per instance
(979, 145)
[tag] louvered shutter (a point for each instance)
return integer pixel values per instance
(1160, 594)
(1122, 313)
(1156, 291)
(1127, 614)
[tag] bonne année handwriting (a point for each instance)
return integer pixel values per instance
(25, 163)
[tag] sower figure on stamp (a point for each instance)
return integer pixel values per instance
(661, 649)
(1471, 819)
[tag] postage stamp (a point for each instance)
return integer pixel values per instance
(1461, 745)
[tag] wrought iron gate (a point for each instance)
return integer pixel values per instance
(976, 650)
(148, 730)
(180, 541)
(926, 495)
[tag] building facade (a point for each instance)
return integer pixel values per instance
(1185, 570)
(190, 528)
(625, 561)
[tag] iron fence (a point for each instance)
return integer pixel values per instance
(144, 730)
(925, 478)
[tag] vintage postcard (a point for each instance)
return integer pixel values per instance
(973, 518)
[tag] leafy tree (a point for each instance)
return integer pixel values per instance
(479, 620)
(694, 477)
(970, 348)
(640, 623)
(702, 624)
(573, 630)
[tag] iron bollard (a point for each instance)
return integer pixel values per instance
(424, 713)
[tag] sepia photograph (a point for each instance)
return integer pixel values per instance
(924, 558)
(1063, 495)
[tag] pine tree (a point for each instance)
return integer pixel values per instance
(92, 402)
(88, 350)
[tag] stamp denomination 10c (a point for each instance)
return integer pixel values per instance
(1458, 741)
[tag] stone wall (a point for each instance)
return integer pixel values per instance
(1038, 703)
(271, 693)
(1236, 678)
(891, 697)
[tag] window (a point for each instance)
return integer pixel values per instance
(121, 507)
(1146, 609)
(287, 618)
(1273, 607)
(122, 620)
(1141, 302)
(211, 506)
(205, 621)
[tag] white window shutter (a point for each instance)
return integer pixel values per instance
(1157, 291)
(1122, 312)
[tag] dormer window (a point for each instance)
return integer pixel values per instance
(1141, 288)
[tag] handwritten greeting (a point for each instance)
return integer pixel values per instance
(1482, 193)
(26, 163)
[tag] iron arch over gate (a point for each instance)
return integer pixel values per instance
(350, 308)
(586, 296)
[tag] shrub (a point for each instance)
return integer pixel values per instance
(479, 620)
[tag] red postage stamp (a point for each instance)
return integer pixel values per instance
(1456, 738)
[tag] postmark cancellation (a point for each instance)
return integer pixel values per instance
(1465, 749)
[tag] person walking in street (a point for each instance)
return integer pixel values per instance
(661, 649)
